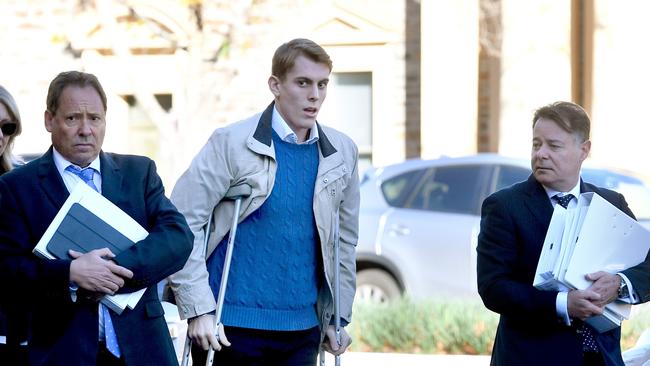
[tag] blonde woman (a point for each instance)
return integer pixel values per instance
(10, 127)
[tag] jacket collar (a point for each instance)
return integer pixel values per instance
(538, 202)
(111, 178)
(52, 183)
(264, 130)
(50, 179)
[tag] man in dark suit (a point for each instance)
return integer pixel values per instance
(546, 327)
(69, 326)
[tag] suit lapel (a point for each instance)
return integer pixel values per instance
(537, 201)
(584, 188)
(111, 178)
(51, 181)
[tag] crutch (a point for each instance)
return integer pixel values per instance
(236, 193)
(337, 296)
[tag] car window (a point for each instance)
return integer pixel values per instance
(396, 190)
(508, 175)
(448, 189)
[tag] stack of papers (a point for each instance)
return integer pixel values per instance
(594, 236)
(88, 221)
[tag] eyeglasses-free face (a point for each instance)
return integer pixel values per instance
(8, 127)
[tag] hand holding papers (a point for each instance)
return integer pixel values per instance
(88, 221)
(594, 236)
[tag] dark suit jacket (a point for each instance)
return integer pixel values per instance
(514, 222)
(66, 333)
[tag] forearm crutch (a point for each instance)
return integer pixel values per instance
(236, 193)
(337, 290)
(337, 287)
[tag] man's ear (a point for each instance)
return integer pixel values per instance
(48, 118)
(274, 85)
(586, 148)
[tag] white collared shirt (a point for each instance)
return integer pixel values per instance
(281, 127)
(70, 179)
(575, 191)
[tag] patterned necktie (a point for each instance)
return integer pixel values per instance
(586, 333)
(87, 175)
(563, 200)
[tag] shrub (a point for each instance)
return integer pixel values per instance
(444, 327)
(452, 327)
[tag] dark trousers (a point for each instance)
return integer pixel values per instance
(252, 347)
(592, 359)
(106, 358)
(13, 355)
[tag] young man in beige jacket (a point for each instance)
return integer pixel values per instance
(279, 304)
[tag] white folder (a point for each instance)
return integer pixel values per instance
(547, 277)
(595, 236)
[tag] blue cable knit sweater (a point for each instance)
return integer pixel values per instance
(273, 281)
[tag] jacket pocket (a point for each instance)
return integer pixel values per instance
(154, 309)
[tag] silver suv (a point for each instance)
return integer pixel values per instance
(419, 222)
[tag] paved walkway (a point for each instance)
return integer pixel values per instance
(178, 329)
(402, 359)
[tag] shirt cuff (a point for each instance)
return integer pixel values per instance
(561, 303)
(73, 291)
(632, 297)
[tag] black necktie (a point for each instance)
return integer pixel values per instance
(563, 200)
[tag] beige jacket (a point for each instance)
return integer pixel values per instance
(243, 152)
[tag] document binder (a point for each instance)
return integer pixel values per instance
(83, 231)
(88, 221)
(594, 236)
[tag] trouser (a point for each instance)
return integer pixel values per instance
(253, 347)
(592, 359)
(106, 358)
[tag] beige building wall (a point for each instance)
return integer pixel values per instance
(621, 123)
(449, 83)
(536, 67)
(361, 36)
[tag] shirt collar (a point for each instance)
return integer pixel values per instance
(281, 127)
(62, 163)
(575, 191)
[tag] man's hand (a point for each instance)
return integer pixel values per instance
(201, 331)
(330, 345)
(581, 304)
(606, 285)
(96, 272)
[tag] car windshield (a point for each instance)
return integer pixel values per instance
(636, 193)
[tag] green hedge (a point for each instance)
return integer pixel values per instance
(449, 327)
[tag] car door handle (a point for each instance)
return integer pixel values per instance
(399, 230)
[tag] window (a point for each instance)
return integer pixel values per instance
(449, 189)
(508, 175)
(396, 190)
(348, 108)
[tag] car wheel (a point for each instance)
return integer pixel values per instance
(375, 285)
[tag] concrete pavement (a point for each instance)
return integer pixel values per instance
(403, 359)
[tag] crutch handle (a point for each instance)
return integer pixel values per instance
(238, 191)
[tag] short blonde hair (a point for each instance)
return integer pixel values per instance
(6, 160)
